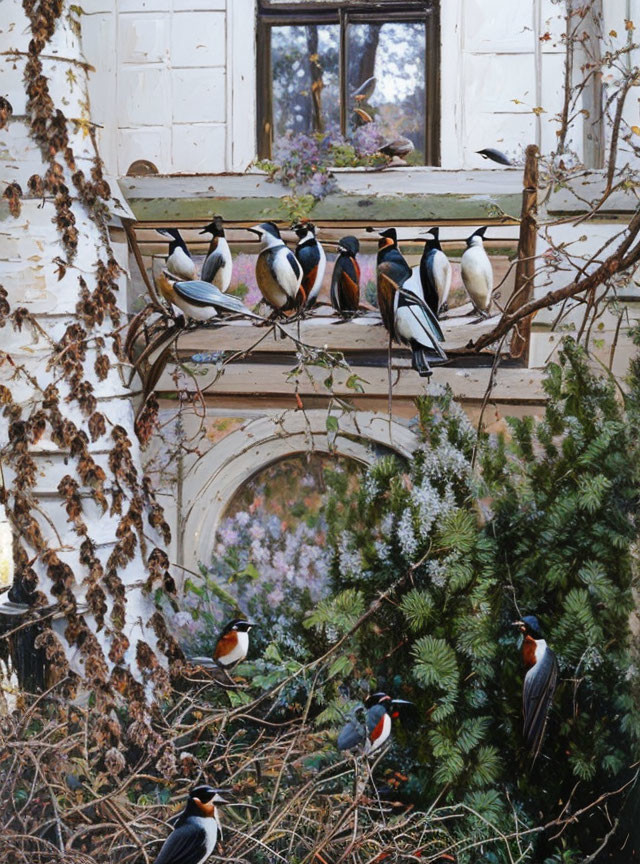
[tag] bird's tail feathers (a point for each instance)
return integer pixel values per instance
(420, 361)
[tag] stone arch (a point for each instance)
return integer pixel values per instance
(210, 484)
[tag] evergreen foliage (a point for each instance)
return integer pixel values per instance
(449, 557)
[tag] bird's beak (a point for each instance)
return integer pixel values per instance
(520, 625)
(223, 796)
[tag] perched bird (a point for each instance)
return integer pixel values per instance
(380, 709)
(494, 155)
(477, 273)
(196, 831)
(218, 264)
(312, 259)
(435, 273)
(361, 117)
(179, 263)
(232, 646)
(199, 300)
(345, 279)
(365, 90)
(278, 271)
(400, 147)
(539, 682)
(404, 313)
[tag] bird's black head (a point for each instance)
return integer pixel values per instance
(388, 237)
(215, 227)
(378, 698)
(169, 232)
(435, 232)
(204, 799)
(240, 625)
(303, 228)
(477, 233)
(349, 245)
(269, 228)
(530, 626)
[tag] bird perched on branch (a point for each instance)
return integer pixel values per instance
(404, 313)
(369, 727)
(311, 257)
(477, 273)
(199, 300)
(197, 829)
(539, 682)
(345, 279)
(494, 155)
(179, 262)
(278, 271)
(435, 273)
(218, 265)
(232, 646)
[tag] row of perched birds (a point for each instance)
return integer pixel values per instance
(197, 829)
(410, 300)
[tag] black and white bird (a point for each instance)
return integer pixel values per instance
(404, 313)
(197, 830)
(179, 261)
(494, 155)
(539, 682)
(200, 300)
(218, 265)
(312, 259)
(232, 646)
(477, 273)
(435, 274)
(369, 727)
(345, 279)
(278, 271)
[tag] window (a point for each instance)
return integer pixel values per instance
(332, 66)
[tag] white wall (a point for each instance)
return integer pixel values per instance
(174, 82)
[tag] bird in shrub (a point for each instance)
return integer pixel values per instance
(278, 271)
(179, 261)
(218, 265)
(232, 646)
(345, 279)
(313, 260)
(435, 273)
(540, 681)
(369, 727)
(402, 308)
(477, 273)
(197, 830)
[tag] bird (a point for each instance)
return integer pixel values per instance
(494, 155)
(197, 829)
(539, 682)
(218, 264)
(200, 300)
(365, 90)
(278, 271)
(402, 308)
(477, 273)
(313, 260)
(400, 147)
(435, 273)
(232, 646)
(361, 117)
(179, 262)
(377, 714)
(345, 279)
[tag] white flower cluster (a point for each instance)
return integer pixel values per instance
(406, 535)
(370, 487)
(445, 460)
(349, 557)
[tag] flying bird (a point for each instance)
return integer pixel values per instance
(435, 273)
(368, 731)
(197, 829)
(199, 300)
(232, 646)
(477, 273)
(494, 155)
(218, 265)
(179, 262)
(539, 682)
(312, 259)
(345, 279)
(402, 308)
(278, 271)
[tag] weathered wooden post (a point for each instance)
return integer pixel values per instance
(526, 266)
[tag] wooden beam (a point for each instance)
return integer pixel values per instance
(526, 266)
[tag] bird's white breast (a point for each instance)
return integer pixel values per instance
(411, 323)
(382, 737)
(239, 652)
(477, 275)
(211, 829)
(180, 264)
(442, 276)
(284, 273)
(317, 285)
(222, 278)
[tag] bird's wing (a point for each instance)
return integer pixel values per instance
(335, 281)
(351, 735)
(187, 844)
(409, 298)
(539, 687)
(428, 280)
(374, 715)
(225, 644)
(295, 265)
(212, 264)
(204, 294)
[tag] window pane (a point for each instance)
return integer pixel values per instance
(305, 70)
(393, 53)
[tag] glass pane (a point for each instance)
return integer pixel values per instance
(305, 74)
(386, 81)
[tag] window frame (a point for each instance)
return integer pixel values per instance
(272, 13)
